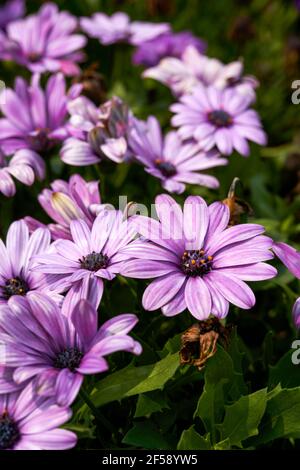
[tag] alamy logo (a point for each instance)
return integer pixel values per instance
(2, 92)
(296, 353)
(296, 94)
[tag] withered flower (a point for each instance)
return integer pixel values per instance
(199, 342)
(238, 207)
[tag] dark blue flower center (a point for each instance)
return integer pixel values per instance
(220, 118)
(9, 432)
(166, 168)
(69, 358)
(15, 286)
(196, 263)
(94, 261)
(39, 140)
(34, 56)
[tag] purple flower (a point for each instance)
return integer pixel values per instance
(197, 262)
(7, 383)
(67, 201)
(11, 10)
(142, 31)
(118, 28)
(149, 53)
(97, 132)
(296, 313)
(16, 275)
(107, 29)
(45, 41)
(34, 121)
(194, 68)
(22, 166)
(168, 159)
(91, 256)
(57, 349)
(218, 118)
(28, 422)
(289, 256)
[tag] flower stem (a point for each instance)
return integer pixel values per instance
(98, 415)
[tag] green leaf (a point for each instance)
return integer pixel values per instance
(83, 431)
(285, 373)
(191, 440)
(135, 380)
(223, 445)
(221, 385)
(281, 417)
(243, 417)
(160, 373)
(150, 403)
(145, 435)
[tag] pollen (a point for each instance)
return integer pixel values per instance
(196, 263)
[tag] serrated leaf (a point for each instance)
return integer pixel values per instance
(150, 403)
(281, 417)
(145, 435)
(135, 380)
(243, 417)
(192, 440)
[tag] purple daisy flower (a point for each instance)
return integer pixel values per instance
(91, 256)
(16, 275)
(57, 349)
(289, 256)
(197, 262)
(45, 41)
(142, 31)
(296, 313)
(11, 10)
(35, 120)
(170, 44)
(97, 132)
(193, 68)
(67, 201)
(118, 28)
(107, 29)
(7, 383)
(168, 159)
(28, 422)
(23, 166)
(218, 118)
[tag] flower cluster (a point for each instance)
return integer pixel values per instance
(44, 41)
(53, 274)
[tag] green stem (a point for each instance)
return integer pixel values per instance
(98, 415)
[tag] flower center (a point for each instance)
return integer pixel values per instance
(39, 140)
(34, 56)
(69, 358)
(220, 118)
(15, 286)
(166, 168)
(94, 261)
(9, 432)
(196, 263)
